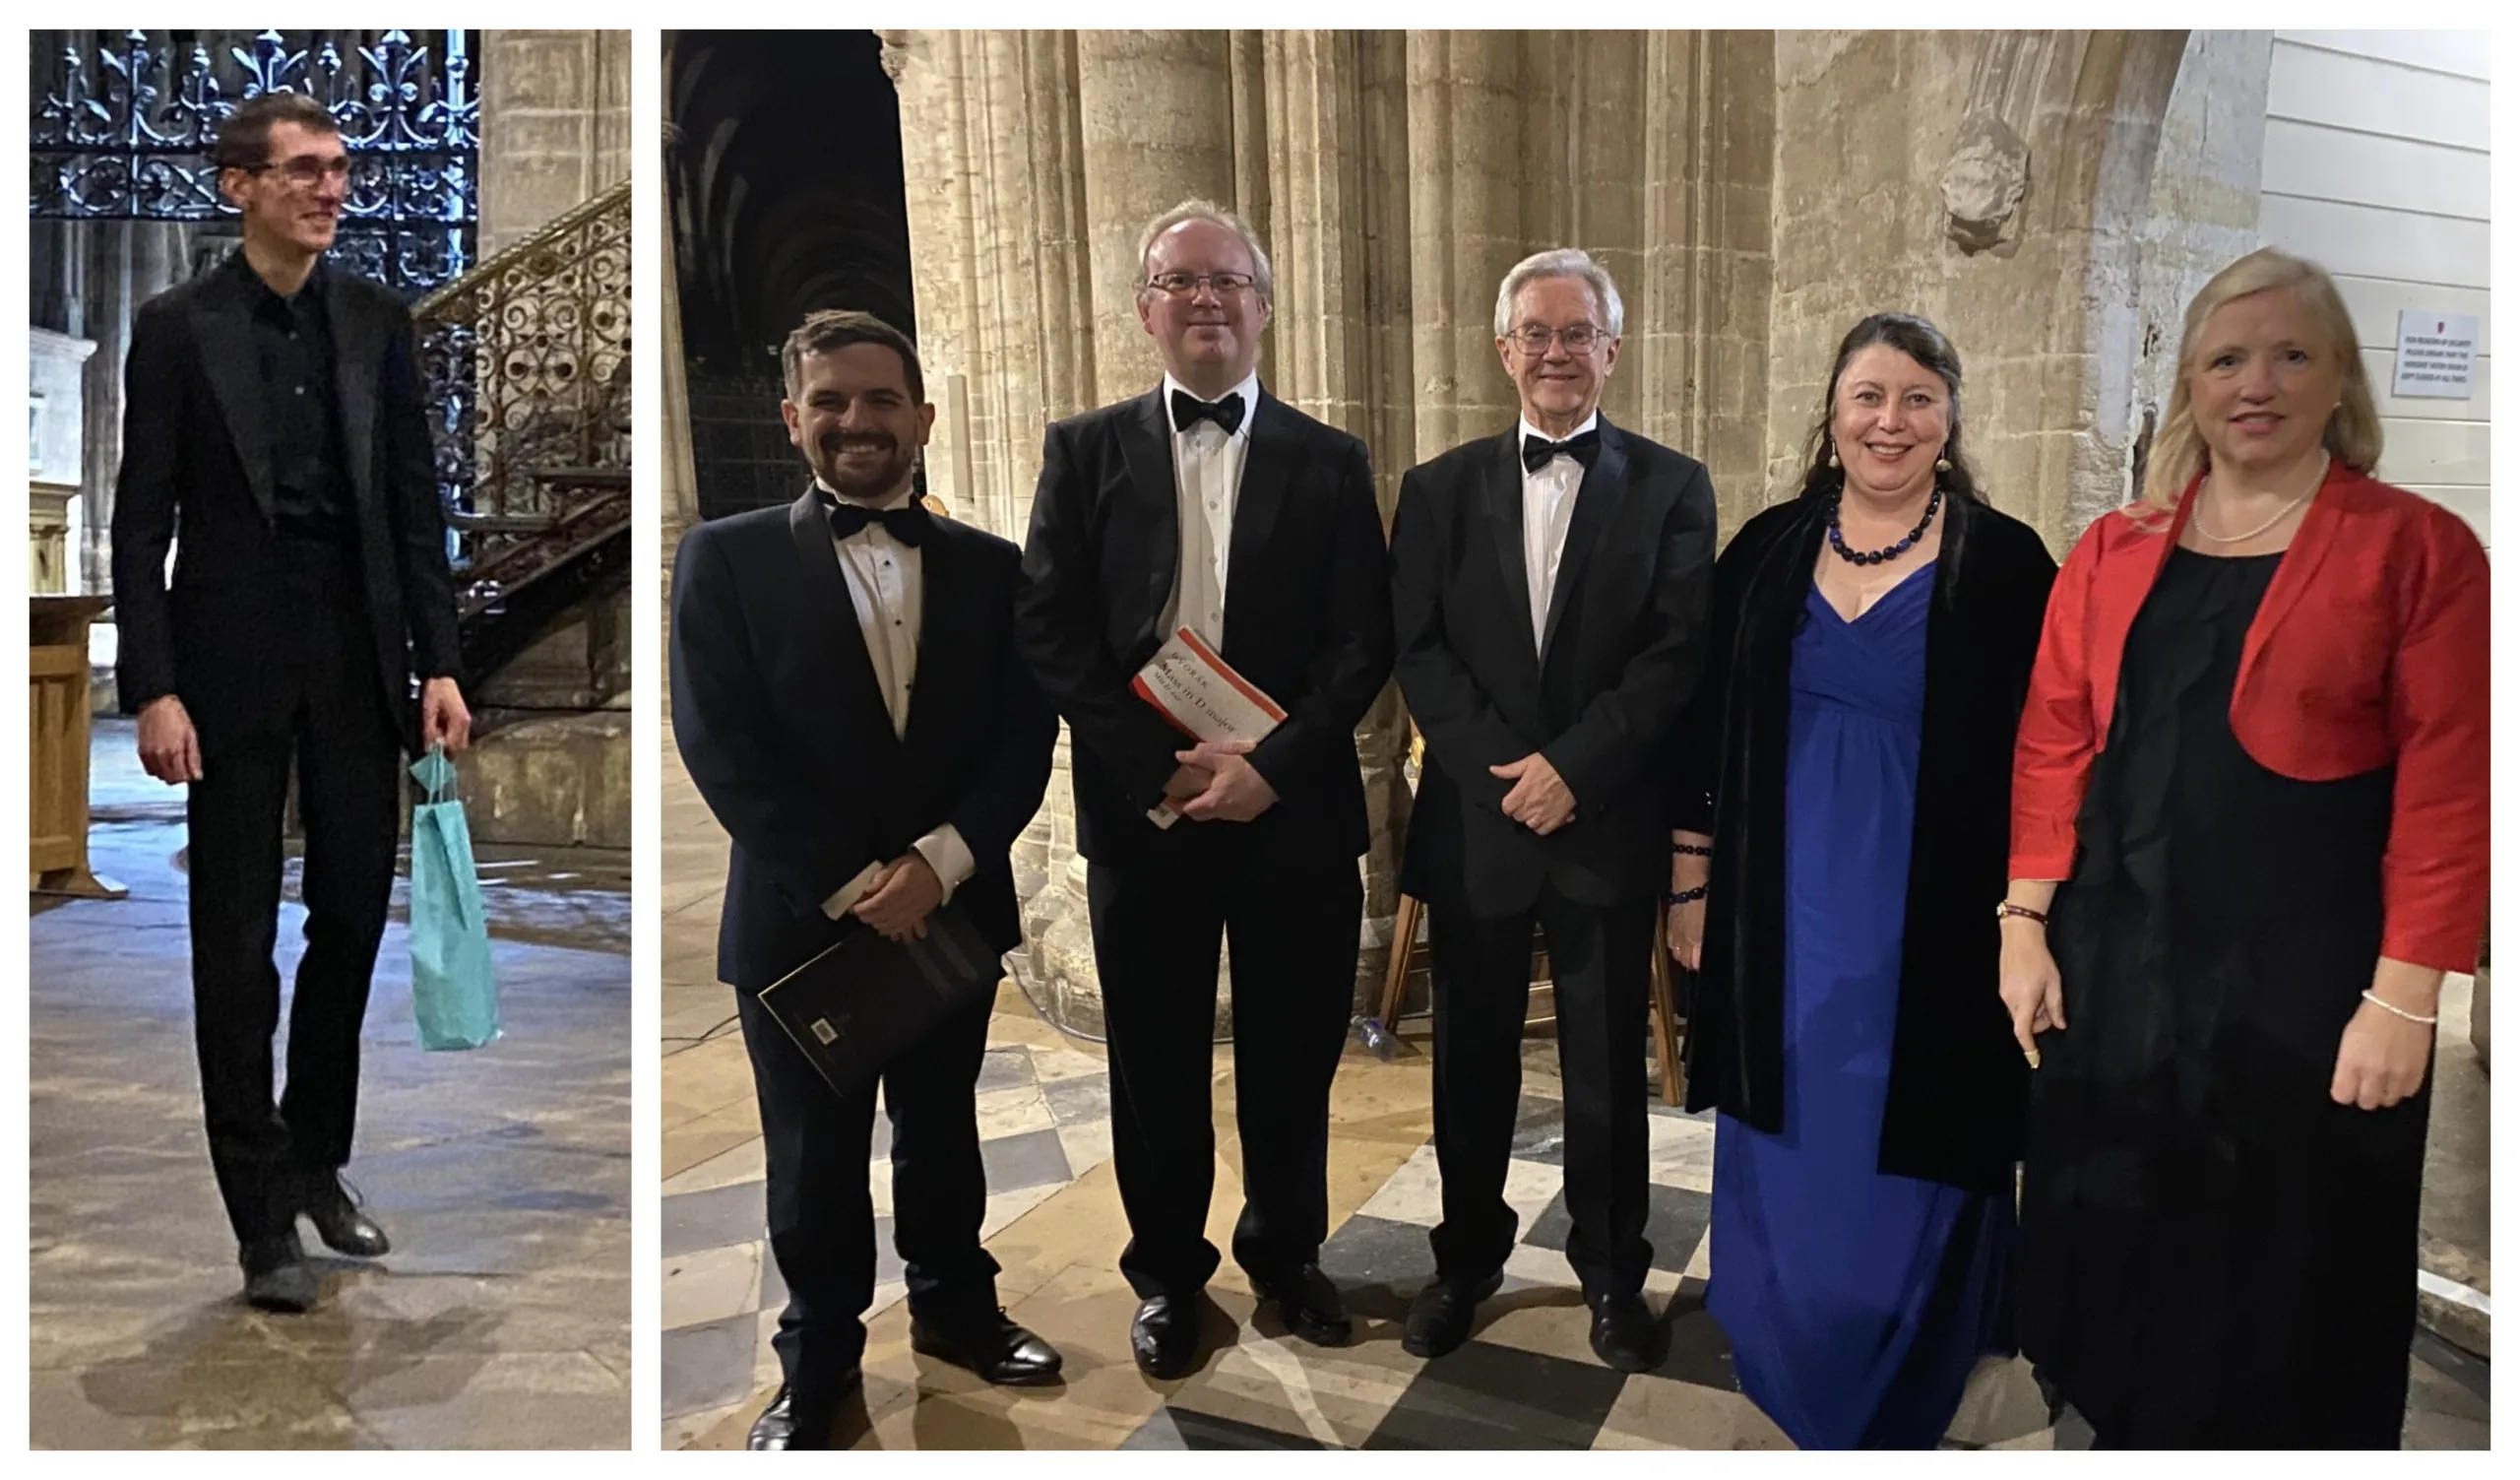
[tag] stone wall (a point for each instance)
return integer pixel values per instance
(1997, 183)
(556, 126)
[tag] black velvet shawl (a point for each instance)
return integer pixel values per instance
(1958, 1082)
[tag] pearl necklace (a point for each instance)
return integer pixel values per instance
(2281, 514)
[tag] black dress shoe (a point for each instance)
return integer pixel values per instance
(778, 1428)
(1625, 1335)
(1309, 1305)
(1163, 1336)
(788, 1424)
(277, 1274)
(339, 1220)
(1440, 1318)
(994, 1347)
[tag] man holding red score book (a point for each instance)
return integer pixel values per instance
(1209, 506)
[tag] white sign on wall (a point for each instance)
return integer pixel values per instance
(2436, 355)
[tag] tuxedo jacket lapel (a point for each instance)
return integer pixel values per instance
(832, 621)
(1502, 507)
(225, 332)
(945, 638)
(1145, 445)
(358, 349)
(1595, 498)
(1268, 472)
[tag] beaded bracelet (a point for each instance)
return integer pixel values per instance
(2412, 1017)
(1691, 850)
(1689, 896)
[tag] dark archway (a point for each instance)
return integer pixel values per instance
(785, 186)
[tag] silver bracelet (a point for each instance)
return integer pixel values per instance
(2400, 1011)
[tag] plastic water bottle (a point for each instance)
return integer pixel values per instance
(1376, 1038)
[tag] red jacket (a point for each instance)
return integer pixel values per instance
(2370, 649)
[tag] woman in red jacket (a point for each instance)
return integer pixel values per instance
(2254, 756)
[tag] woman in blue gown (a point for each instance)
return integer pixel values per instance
(1837, 865)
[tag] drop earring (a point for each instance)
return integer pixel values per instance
(1942, 465)
(1833, 454)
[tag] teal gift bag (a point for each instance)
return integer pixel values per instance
(454, 994)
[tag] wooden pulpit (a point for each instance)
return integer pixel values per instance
(57, 704)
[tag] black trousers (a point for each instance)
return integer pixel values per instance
(822, 1217)
(1293, 931)
(326, 711)
(1482, 995)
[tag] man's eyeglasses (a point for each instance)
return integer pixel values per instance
(1579, 339)
(1182, 284)
(307, 173)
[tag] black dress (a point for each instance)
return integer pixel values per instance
(2214, 1254)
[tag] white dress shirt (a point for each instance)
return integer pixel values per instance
(1207, 478)
(1549, 507)
(884, 585)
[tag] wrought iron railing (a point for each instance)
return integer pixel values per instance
(123, 121)
(528, 363)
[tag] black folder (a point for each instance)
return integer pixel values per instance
(864, 999)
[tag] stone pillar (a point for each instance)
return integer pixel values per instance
(1466, 228)
(556, 125)
(680, 476)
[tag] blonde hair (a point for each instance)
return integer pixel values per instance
(2352, 436)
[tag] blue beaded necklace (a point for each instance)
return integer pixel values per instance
(1838, 539)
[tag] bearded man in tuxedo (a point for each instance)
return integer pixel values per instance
(848, 699)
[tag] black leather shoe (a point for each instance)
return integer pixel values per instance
(1163, 1336)
(277, 1274)
(1625, 1335)
(788, 1425)
(1440, 1318)
(1309, 1305)
(339, 1221)
(994, 1347)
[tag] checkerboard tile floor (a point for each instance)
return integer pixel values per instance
(1044, 1116)
(1526, 1380)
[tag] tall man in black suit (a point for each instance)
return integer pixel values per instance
(1550, 587)
(800, 637)
(272, 408)
(1209, 504)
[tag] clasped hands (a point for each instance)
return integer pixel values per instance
(905, 892)
(1538, 798)
(1217, 784)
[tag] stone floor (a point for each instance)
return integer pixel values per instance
(501, 1320)
(1527, 1381)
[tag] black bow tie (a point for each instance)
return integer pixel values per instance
(1583, 447)
(908, 524)
(1189, 410)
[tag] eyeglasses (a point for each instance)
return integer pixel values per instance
(306, 173)
(1579, 339)
(1182, 284)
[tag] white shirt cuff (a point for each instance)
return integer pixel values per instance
(951, 858)
(851, 892)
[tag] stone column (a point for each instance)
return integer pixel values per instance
(1466, 228)
(680, 476)
(556, 125)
